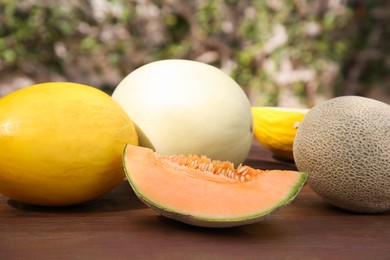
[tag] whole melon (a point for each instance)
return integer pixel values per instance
(188, 107)
(274, 128)
(61, 143)
(344, 146)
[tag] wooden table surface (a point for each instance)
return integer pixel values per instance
(119, 226)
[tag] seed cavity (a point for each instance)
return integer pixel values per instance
(223, 168)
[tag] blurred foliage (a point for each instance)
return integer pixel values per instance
(291, 53)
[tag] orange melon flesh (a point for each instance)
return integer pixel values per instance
(203, 198)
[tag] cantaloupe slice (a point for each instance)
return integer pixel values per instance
(201, 192)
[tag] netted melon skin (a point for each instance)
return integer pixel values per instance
(344, 146)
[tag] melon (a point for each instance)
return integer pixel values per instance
(61, 143)
(188, 107)
(208, 193)
(344, 146)
(274, 128)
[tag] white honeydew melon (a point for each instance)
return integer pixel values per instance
(188, 107)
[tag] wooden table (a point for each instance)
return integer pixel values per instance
(119, 226)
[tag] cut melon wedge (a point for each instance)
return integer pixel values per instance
(201, 192)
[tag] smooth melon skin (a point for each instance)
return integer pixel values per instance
(188, 107)
(196, 192)
(61, 143)
(344, 146)
(274, 127)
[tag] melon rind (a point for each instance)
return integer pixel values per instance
(202, 221)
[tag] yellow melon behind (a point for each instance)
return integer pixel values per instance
(274, 127)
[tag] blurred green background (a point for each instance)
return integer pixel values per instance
(283, 53)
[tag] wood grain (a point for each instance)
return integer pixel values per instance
(119, 226)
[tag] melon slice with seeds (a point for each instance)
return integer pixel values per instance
(199, 191)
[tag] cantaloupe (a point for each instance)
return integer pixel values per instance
(201, 192)
(344, 146)
(188, 107)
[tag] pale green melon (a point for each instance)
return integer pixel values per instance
(188, 107)
(344, 146)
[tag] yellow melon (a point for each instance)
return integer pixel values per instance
(344, 146)
(274, 127)
(61, 143)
